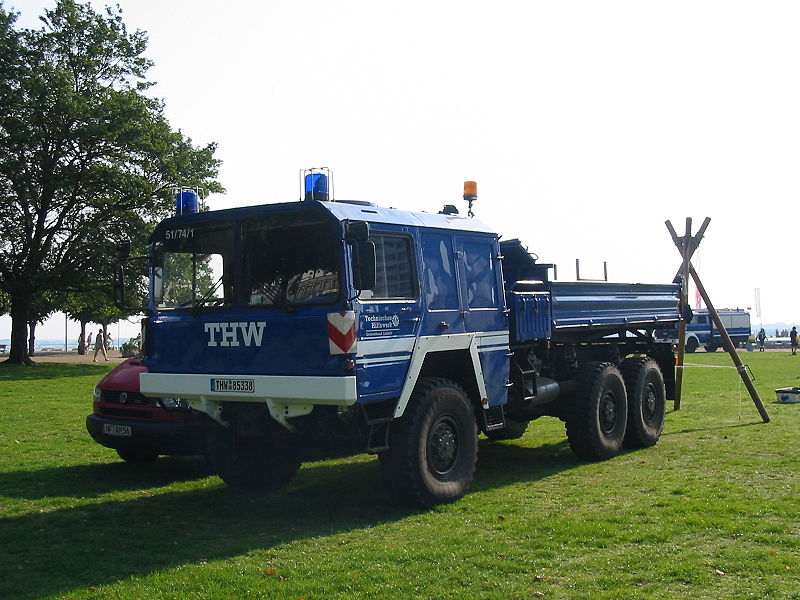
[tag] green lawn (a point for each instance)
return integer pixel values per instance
(712, 511)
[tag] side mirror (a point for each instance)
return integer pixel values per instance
(119, 285)
(124, 249)
(130, 284)
(357, 231)
(364, 271)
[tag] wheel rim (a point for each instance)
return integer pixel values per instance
(650, 404)
(443, 446)
(608, 412)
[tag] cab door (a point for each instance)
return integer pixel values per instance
(388, 315)
(442, 300)
(483, 309)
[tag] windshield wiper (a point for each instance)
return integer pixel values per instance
(200, 303)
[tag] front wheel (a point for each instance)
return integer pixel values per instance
(250, 462)
(599, 413)
(433, 448)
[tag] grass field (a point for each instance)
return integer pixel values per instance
(712, 511)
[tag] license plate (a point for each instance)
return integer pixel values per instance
(118, 430)
(240, 386)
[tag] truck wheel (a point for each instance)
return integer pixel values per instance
(249, 462)
(646, 402)
(599, 413)
(137, 456)
(711, 347)
(512, 431)
(692, 345)
(433, 448)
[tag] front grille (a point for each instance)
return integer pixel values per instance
(134, 398)
(128, 413)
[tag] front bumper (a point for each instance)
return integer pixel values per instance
(178, 438)
(280, 389)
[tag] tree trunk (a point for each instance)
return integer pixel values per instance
(31, 338)
(18, 353)
(82, 339)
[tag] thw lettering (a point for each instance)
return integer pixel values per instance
(230, 334)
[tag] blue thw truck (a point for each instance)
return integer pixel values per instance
(300, 330)
(701, 331)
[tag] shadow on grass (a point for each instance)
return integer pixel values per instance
(91, 481)
(11, 372)
(50, 552)
(713, 428)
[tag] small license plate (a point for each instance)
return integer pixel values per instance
(118, 430)
(238, 386)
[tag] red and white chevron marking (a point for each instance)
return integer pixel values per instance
(342, 332)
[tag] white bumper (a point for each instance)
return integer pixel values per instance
(339, 391)
(286, 397)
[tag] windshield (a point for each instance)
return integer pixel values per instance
(290, 259)
(192, 266)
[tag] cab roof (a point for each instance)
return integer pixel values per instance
(347, 210)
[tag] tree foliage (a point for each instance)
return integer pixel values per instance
(87, 158)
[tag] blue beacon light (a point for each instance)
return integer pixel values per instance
(186, 202)
(316, 186)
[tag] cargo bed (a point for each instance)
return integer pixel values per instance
(580, 310)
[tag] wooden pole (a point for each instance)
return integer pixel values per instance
(687, 245)
(728, 345)
(685, 252)
(695, 242)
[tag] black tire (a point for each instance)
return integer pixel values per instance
(711, 347)
(647, 401)
(692, 345)
(137, 456)
(250, 462)
(433, 447)
(599, 413)
(512, 431)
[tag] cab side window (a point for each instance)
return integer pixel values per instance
(439, 274)
(394, 259)
(480, 275)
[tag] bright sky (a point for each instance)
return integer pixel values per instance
(586, 124)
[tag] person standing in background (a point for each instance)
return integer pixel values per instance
(99, 345)
(762, 335)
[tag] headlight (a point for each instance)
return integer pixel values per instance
(96, 395)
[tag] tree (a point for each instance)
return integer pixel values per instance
(86, 158)
(92, 306)
(42, 306)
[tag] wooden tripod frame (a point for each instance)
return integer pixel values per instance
(687, 246)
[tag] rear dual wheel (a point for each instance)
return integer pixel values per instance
(646, 402)
(599, 413)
